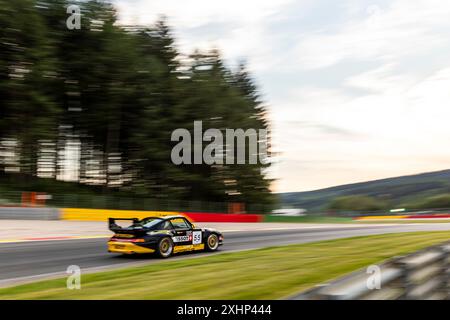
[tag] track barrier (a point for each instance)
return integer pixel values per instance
(24, 213)
(223, 217)
(423, 275)
(78, 214)
(103, 214)
(398, 217)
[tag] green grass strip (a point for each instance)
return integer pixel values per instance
(268, 273)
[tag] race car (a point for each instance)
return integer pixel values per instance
(161, 235)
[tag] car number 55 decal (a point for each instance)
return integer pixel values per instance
(196, 237)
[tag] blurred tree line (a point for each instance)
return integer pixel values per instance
(439, 201)
(358, 203)
(363, 203)
(98, 105)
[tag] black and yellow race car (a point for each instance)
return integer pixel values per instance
(161, 235)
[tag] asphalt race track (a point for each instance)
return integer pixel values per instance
(26, 261)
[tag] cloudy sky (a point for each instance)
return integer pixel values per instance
(358, 90)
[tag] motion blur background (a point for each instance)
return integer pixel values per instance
(349, 92)
(96, 107)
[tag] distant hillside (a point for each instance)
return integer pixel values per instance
(397, 190)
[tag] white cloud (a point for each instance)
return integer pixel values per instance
(196, 13)
(402, 128)
(399, 109)
(403, 28)
(387, 116)
(245, 35)
(384, 79)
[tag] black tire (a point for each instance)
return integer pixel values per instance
(165, 247)
(212, 242)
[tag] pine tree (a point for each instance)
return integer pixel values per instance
(115, 94)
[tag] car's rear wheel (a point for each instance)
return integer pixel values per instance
(165, 247)
(212, 243)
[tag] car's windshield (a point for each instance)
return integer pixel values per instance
(150, 223)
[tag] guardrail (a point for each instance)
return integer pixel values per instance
(44, 213)
(18, 213)
(423, 275)
(117, 202)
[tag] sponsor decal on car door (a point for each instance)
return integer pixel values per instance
(182, 237)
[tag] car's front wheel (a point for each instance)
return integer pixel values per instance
(165, 247)
(212, 243)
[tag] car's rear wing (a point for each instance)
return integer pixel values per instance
(113, 226)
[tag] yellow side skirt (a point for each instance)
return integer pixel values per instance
(131, 248)
(189, 247)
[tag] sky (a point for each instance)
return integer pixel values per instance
(357, 90)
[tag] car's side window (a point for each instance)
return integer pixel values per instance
(179, 223)
(166, 225)
(190, 225)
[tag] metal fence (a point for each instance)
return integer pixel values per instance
(423, 275)
(18, 213)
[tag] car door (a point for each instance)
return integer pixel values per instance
(182, 234)
(197, 236)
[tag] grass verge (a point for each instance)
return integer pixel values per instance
(268, 273)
